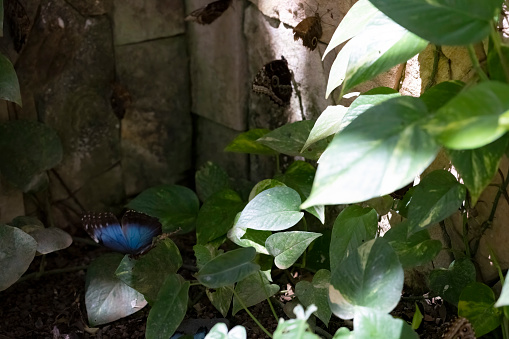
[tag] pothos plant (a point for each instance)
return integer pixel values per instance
(366, 151)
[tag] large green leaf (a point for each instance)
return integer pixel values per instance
(228, 268)
(9, 85)
(17, 250)
(379, 152)
(449, 283)
(210, 179)
(27, 150)
(474, 117)
(287, 247)
(436, 197)
(253, 289)
(247, 143)
(372, 56)
(290, 139)
(370, 277)
(221, 298)
(443, 22)
(246, 237)
(371, 323)
(440, 94)
(478, 166)
(147, 273)
(476, 303)
(50, 239)
(498, 62)
(175, 206)
(275, 209)
(107, 298)
(217, 214)
(264, 185)
(353, 227)
(327, 124)
(316, 293)
(170, 308)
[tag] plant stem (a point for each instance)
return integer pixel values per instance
(495, 37)
(436, 59)
(497, 265)
(250, 314)
(57, 271)
(268, 297)
(475, 63)
(505, 328)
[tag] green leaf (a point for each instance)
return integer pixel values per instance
(147, 273)
(287, 247)
(374, 266)
(327, 124)
(228, 268)
(372, 56)
(107, 298)
(217, 214)
(380, 151)
(264, 185)
(275, 209)
(221, 298)
(443, 22)
(476, 303)
(316, 293)
(247, 143)
(290, 139)
(473, 118)
(372, 323)
(17, 250)
(477, 167)
(220, 331)
(170, 308)
(210, 179)
(9, 85)
(300, 176)
(296, 328)
(503, 300)
(436, 197)
(27, 150)
(50, 239)
(449, 283)
(355, 20)
(252, 290)
(205, 253)
(353, 227)
(417, 318)
(414, 250)
(175, 206)
(440, 94)
(344, 333)
(495, 67)
(246, 237)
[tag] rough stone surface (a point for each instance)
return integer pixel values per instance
(211, 139)
(219, 78)
(141, 20)
(92, 7)
(156, 130)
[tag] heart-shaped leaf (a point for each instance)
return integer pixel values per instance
(287, 247)
(476, 303)
(316, 293)
(449, 283)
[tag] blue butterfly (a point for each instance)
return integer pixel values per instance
(132, 236)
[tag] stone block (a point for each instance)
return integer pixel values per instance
(137, 21)
(219, 77)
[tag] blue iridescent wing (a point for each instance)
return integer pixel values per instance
(139, 230)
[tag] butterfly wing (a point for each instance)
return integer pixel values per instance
(139, 229)
(275, 81)
(208, 14)
(309, 30)
(105, 229)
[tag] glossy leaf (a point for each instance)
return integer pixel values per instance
(371, 323)
(17, 250)
(247, 143)
(264, 185)
(170, 308)
(353, 227)
(380, 151)
(217, 214)
(275, 209)
(443, 22)
(316, 293)
(477, 167)
(374, 266)
(246, 237)
(210, 179)
(228, 268)
(205, 253)
(221, 298)
(287, 247)
(449, 283)
(440, 94)
(476, 303)
(107, 298)
(147, 273)
(27, 150)
(473, 118)
(175, 206)
(327, 124)
(495, 67)
(436, 197)
(290, 139)
(9, 84)
(252, 290)
(50, 239)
